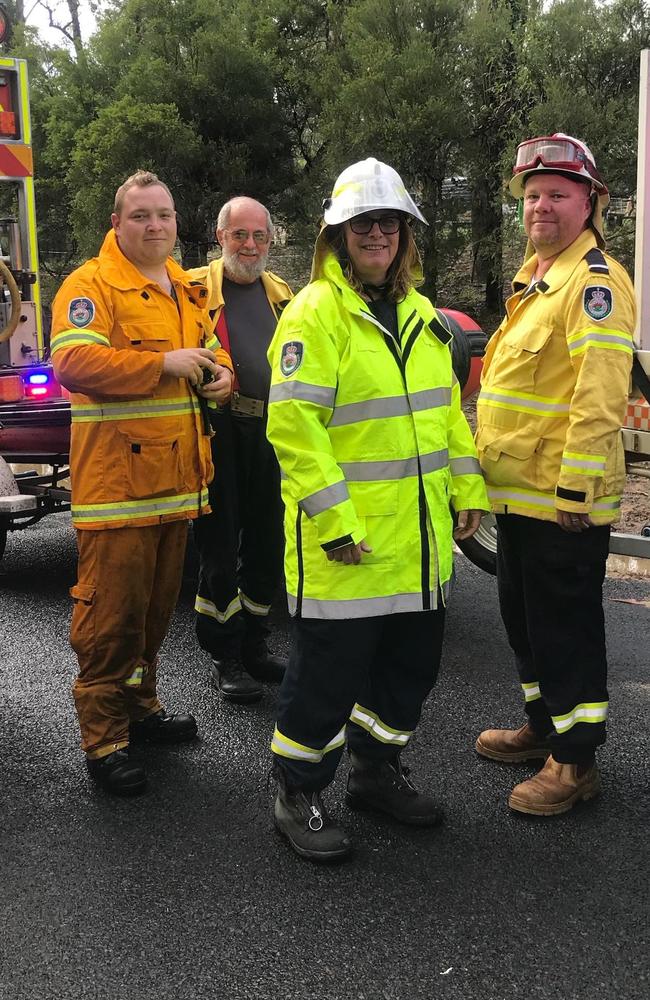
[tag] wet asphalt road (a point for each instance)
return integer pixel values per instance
(187, 892)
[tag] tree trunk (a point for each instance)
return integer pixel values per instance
(487, 235)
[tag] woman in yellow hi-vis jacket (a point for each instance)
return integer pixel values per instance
(365, 417)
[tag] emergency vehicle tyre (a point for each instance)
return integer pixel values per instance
(481, 548)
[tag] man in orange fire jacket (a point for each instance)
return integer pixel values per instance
(130, 343)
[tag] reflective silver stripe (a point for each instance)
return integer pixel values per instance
(523, 404)
(464, 466)
(323, 499)
(75, 338)
(583, 463)
(205, 607)
(587, 712)
(606, 504)
(139, 410)
(375, 727)
(528, 499)
(362, 607)
(133, 509)
(370, 409)
(532, 691)
(601, 338)
(428, 399)
(261, 610)
(322, 395)
(398, 468)
(284, 747)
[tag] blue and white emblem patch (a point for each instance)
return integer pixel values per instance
(598, 302)
(81, 312)
(291, 357)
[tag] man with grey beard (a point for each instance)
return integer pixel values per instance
(241, 543)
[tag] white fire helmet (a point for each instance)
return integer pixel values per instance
(366, 187)
(561, 154)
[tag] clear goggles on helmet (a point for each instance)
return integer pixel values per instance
(554, 152)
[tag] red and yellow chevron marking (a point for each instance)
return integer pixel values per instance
(16, 161)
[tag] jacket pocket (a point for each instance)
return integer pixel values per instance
(517, 358)
(82, 630)
(147, 336)
(376, 507)
(154, 466)
(509, 459)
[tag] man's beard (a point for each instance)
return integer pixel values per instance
(247, 269)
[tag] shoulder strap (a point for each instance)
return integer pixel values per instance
(596, 262)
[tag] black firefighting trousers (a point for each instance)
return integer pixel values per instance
(241, 543)
(377, 670)
(550, 592)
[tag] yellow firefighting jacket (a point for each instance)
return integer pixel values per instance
(373, 445)
(139, 454)
(554, 389)
(277, 291)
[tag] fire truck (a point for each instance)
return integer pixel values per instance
(35, 409)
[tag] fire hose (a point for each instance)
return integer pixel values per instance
(8, 279)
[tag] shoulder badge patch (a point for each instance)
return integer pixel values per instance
(81, 312)
(597, 302)
(291, 357)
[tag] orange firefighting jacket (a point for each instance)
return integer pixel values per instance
(139, 454)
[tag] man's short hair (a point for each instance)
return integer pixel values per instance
(142, 179)
(224, 215)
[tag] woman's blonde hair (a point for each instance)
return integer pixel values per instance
(404, 273)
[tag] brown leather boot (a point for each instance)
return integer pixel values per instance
(555, 789)
(512, 745)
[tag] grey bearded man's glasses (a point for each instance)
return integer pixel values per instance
(362, 224)
(241, 235)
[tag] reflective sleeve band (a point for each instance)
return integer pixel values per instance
(136, 409)
(584, 465)
(322, 395)
(595, 711)
(373, 725)
(465, 466)
(77, 338)
(615, 340)
(531, 691)
(325, 498)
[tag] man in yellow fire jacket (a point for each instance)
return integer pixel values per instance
(131, 344)
(554, 392)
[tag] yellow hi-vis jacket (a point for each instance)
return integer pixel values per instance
(277, 291)
(139, 453)
(373, 445)
(554, 389)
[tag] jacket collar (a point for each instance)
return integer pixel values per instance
(118, 271)
(560, 270)
(211, 275)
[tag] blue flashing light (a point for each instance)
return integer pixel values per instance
(37, 379)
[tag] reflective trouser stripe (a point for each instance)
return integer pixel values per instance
(375, 727)
(364, 607)
(135, 680)
(531, 691)
(255, 609)
(206, 607)
(285, 747)
(595, 711)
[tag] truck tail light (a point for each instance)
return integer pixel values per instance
(41, 384)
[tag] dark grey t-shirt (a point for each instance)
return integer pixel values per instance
(251, 325)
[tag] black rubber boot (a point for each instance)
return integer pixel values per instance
(234, 682)
(263, 665)
(163, 728)
(384, 785)
(117, 774)
(302, 818)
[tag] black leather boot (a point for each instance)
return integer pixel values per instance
(234, 682)
(302, 818)
(261, 664)
(384, 785)
(117, 774)
(163, 728)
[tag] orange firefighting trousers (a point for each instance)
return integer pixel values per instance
(127, 588)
